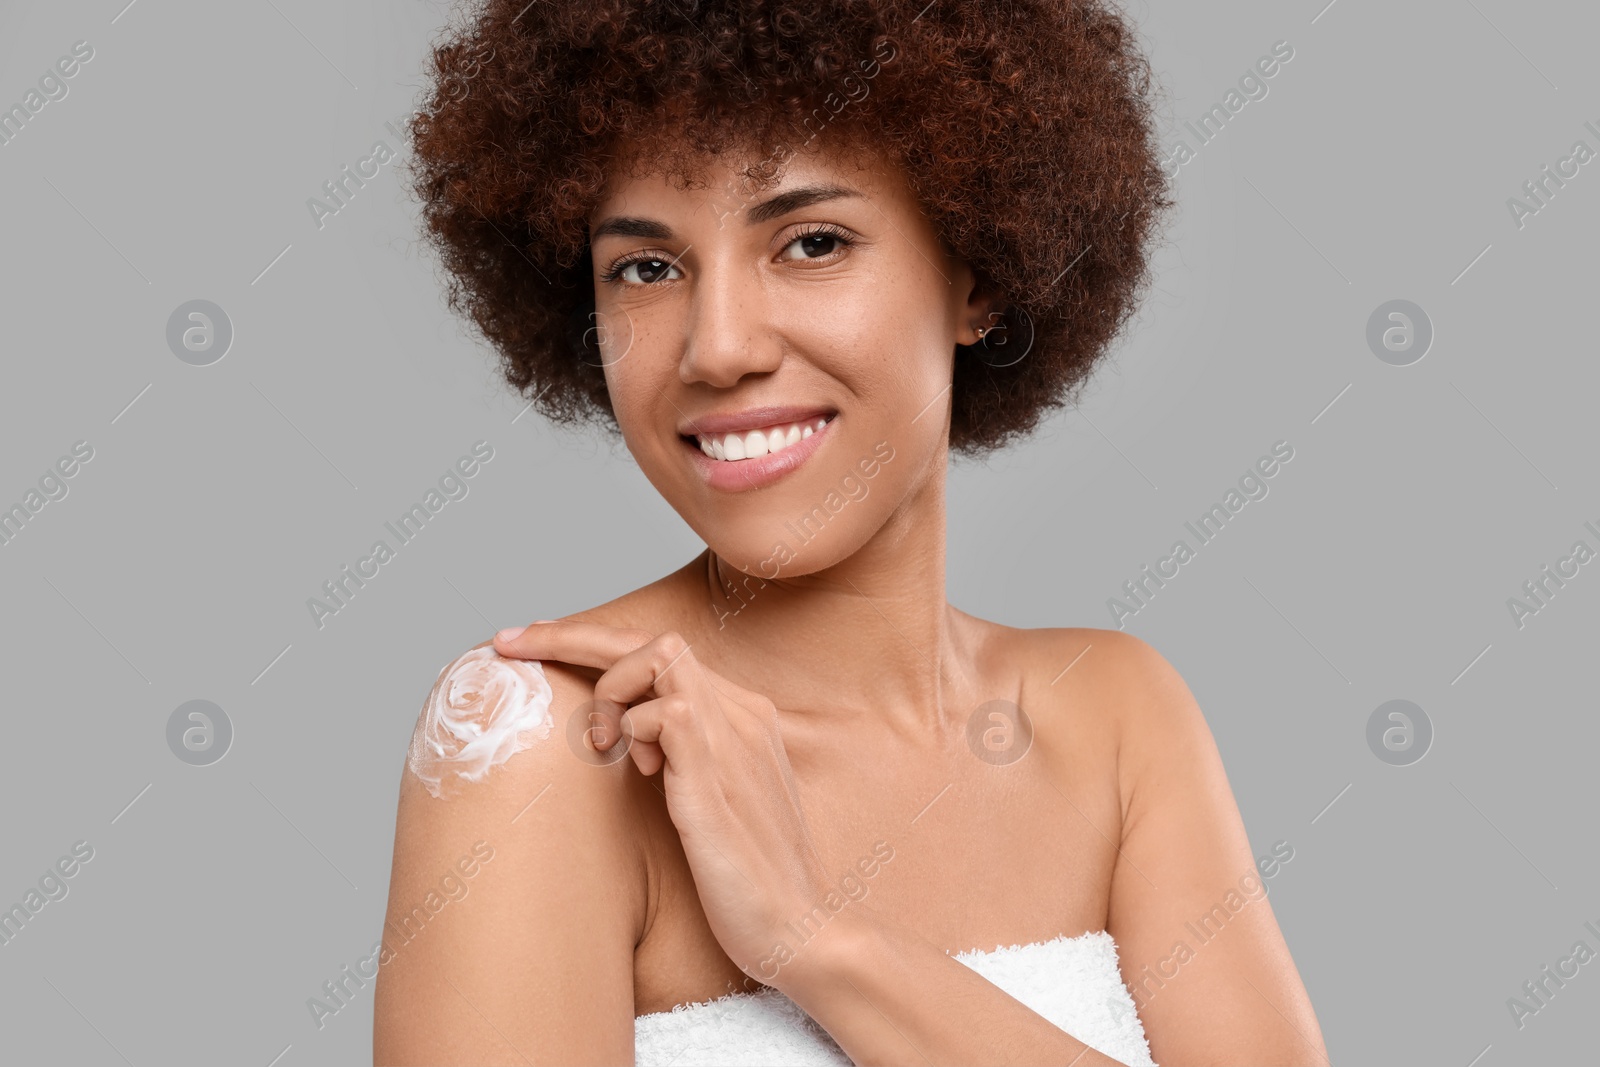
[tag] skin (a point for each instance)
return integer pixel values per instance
(775, 735)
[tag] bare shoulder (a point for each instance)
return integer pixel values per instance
(504, 962)
(491, 721)
(1158, 721)
(1104, 656)
(1182, 853)
(1109, 681)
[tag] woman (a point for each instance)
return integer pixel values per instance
(795, 256)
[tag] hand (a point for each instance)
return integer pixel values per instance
(729, 787)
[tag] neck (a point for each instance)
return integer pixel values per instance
(869, 634)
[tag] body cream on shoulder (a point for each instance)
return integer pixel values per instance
(484, 708)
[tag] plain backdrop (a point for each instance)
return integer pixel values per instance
(218, 499)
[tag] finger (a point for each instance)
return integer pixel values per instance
(603, 724)
(661, 730)
(647, 756)
(667, 667)
(607, 728)
(581, 643)
(639, 676)
(587, 644)
(664, 664)
(631, 679)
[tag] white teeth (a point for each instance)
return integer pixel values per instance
(753, 444)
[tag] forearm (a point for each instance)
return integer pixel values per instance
(889, 996)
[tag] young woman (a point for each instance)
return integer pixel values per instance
(797, 255)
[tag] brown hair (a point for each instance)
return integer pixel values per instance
(1025, 130)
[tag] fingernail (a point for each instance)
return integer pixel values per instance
(509, 634)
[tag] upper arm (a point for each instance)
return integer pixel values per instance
(528, 959)
(1200, 948)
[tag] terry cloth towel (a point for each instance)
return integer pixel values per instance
(1072, 981)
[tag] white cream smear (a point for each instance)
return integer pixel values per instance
(484, 709)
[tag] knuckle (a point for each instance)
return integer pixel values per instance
(669, 648)
(638, 638)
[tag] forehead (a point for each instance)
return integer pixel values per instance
(739, 177)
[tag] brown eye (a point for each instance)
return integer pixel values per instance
(812, 246)
(641, 271)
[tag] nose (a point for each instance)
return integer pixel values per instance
(730, 331)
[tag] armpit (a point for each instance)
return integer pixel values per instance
(484, 708)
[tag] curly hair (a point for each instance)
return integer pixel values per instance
(1024, 127)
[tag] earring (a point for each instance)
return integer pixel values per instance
(981, 330)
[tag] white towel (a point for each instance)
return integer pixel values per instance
(1072, 981)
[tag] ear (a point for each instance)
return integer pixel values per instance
(984, 306)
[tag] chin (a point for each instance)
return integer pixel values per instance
(777, 549)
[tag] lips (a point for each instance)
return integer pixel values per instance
(740, 475)
(750, 419)
(734, 447)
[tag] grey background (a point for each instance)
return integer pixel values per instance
(220, 498)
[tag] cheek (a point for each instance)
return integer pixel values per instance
(638, 366)
(884, 341)
(613, 336)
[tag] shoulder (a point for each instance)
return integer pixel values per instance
(482, 709)
(1105, 663)
(1181, 852)
(496, 769)
(1124, 685)
(500, 743)
(498, 752)
(495, 735)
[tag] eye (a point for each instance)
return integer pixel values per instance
(818, 243)
(643, 270)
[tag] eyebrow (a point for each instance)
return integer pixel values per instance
(769, 209)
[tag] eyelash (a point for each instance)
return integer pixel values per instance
(824, 229)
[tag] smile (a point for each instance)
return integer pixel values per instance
(753, 459)
(735, 447)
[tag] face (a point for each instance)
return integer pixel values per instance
(802, 333)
